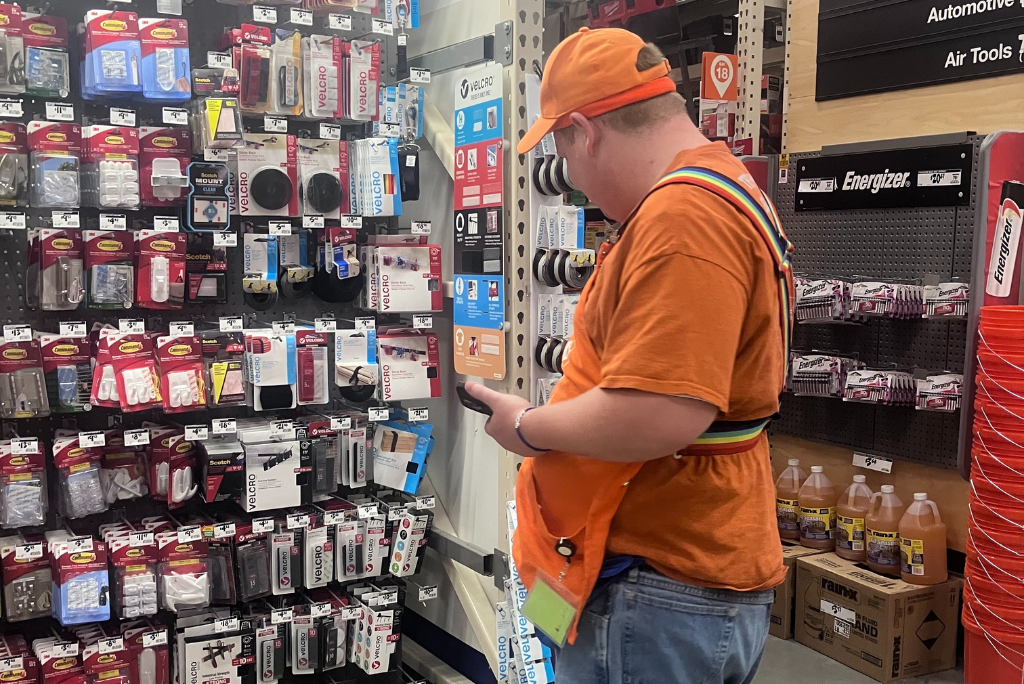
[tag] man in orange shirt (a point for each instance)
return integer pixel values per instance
(646, 515)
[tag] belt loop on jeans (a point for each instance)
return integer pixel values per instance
(634, 574)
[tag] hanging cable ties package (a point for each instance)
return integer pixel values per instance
(209, 197)
(110, 272)
(160, 269)
(215, 111)
(67, 367)
(164, 156)
(12, 50)
(286, 74)
(296, 271)
(56, 148)
(252, 552)
(400, 452)
(312, 367)
(135, 572)
(110, 169)
(62, 266)
(271, 363)
(13, 164)
(260, 267)
(27, 578)
(184, 579)
(409, 364)
(81, 485)
(276, 474)
(165, 61)
(22, 382)
(355, 358)
(321, 61)
(123, 474)
(182, 383)
(112, 54)
(81, 582)
(104, 382)
(135, 370)
(268, 175)
(223, 357)
(23, 501)
(323, 183)
(47, 67)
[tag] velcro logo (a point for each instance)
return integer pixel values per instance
(877, 181)
(385, 291)
(251, 492)
(318, 563)
(386, 379)
(840, 589)
(243, 191)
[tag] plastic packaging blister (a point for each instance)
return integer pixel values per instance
(22, 384)
(22, 488)
(112, 55)
(46, 55)
(12, 50)
(165, 59)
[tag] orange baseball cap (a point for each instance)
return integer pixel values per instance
(593, 72)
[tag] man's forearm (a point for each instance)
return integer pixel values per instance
(618, 425)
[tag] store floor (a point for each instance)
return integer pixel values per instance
(787, 662)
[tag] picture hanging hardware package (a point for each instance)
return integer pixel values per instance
(62, 267)
(134, 361)
(67, 366)
(27, 581)
(23, 497)
(112, 54)
(81, 488)
(12, 50)
(216, 120)
(160, 269)
(13, 164)
(123, 474)
(184, 578)
(22, 383)
(104, 383)
(135, 577)
(181, 373)
(268, 175)
(47, 65)
(81, 584)
(209, 197)
(165, 60)
(164, 155)
(55, 157)
(110, 167)
(109, 267)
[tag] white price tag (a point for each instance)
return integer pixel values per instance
(91, 440)
(112, 645)
(366, 323)
(136, 539)
(73, 329)
(275, 124)
(419, 75)
(325, 325)
(280, 617)
(224, 530)
(225, 239)
(350, 221)
(282, 428)
(282, 327)
(65, 219)
(379, 413)
(226, 625)
(168, 223)
(27, 552)
(23, 446)
(264, 15)
(174, 116)
(385, 28)
(280, 227)
(218, 60)
(17, 333)
(262, 525)
(390, 130)
(131, 326)
(421, 227)
(351, 613)
(336, 22)
(79, 544)
(388, 597)
(67, 649)
(312, 221)
(367, 511)
(225, 426)
(422, 321)
(113, 222)
(418, 415)
(11, 109)
(397, 512)
(939, 179)
(196, 433)
(838, 611)
(10, 220)
(842, 628)
(16, 663)
(300, 16)
(869, 462)
(123, 117)
(189, 534)
(425, 502)
(297, 521)
(341, 423)
(428, 593)
(215, 154)
(403, 39)
(817, 185)
(136, 437)
(151, 639)
(231, 324)
(182, 328)
(320, 609)
(330, 131)
(60, 111)
(334, 517)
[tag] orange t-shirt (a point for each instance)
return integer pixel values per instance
(686, 303)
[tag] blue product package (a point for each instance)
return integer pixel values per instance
(165, 62)
(113, 54)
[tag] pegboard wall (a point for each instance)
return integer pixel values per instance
(880, 244)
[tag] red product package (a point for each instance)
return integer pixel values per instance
(164, 156)
(14, 147)
(148, 643)
(61, 266)
(26, 561)
(172, 465)
(22, 487)
(46, 30)
(108, 265)
(60, 669)
(63, 358)
(134, 362)
(55, 136)
(181, 373)
(160, 269)
(184, 578)
(23, 393)
(104, 382)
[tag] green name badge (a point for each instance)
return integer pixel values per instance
(551, 609)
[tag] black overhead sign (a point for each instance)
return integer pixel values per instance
(915, 177)
(879, 45)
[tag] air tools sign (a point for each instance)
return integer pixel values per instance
(880, 45)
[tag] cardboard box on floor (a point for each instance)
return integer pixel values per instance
(883, 627)
(781, 625)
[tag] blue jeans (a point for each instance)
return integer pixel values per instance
(644, 628)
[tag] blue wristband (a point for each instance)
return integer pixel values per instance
(522, 439)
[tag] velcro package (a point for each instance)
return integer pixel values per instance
(409, 277)
(312, 367)
(160, 269)
(321, 60)
(400, 454)
(271, 366)
(363, 80)
(286, 74)
(268, 175)
(409, 364)
(164, 156)
(323, 177)
(375, 177)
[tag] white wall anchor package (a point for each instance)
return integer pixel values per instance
(400, 452)
(409, 364)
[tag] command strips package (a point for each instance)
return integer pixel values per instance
(112, 54)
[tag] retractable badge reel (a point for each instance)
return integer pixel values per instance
(549, 605)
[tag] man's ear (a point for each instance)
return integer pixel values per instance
(586, 129)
